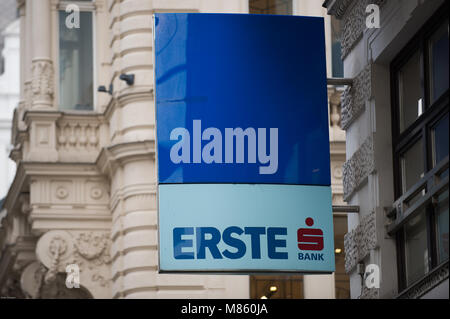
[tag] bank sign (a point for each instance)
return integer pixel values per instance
(242, 144)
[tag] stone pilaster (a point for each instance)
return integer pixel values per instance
(130, 158)
(42, 73)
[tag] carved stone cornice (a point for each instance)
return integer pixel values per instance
(73, 193)
(119, 154)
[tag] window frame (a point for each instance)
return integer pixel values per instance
(421, 129)
(84, 6)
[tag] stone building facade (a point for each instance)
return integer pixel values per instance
(395, 114)
(85, 187)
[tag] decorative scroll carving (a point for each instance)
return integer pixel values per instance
(93, 247)
(354, 97)
(35, 287)
(359, 242)
(90, 250)
(55, 249)
(358, 168)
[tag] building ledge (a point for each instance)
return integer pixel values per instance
(433, 279)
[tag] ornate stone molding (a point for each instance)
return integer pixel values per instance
(428, 283)
(369, 293)
(355, 97)
(357, 169)
(35, 286)
(337, 8)
(80, 138)
(89, 250)
(354, 18)
(359, 242)
(42, 83)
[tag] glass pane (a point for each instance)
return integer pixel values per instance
(412, 166)
(439, 62)
(442, 226)
(410, 92)
(276, 287)
(282, 7)
(440, 140)
(76, 63)
(416, 248)
(336, 37)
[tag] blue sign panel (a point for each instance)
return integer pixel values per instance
(246, 228)
(242, 144)
(241, 99)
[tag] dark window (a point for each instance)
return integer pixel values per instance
(420, 123)
(336, 48)
(76, 63)
(282, 7)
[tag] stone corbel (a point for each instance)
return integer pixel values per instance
(88, 250)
